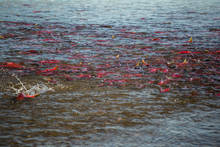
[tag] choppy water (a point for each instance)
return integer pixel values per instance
(114, 59)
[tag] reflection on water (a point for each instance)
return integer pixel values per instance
(127, 74)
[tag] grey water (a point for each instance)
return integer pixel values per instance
(85, 114)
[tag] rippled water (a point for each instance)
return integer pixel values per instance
(104, 92)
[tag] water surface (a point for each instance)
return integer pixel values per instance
(127, 73)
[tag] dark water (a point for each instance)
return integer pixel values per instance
(115, 60)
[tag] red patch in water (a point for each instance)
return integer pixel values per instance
(84, 76)
(164, 90)
(156, 39)
(101, 40)
(21, 96)
(49, 70)
(163, 82)
(184, 52)
(153, 70)
(150, 82)
(165, 70)
(159, 32)
(11, 65)
(176, 75)
(102, 74)
(30, 52)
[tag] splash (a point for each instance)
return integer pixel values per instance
(16, 88)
